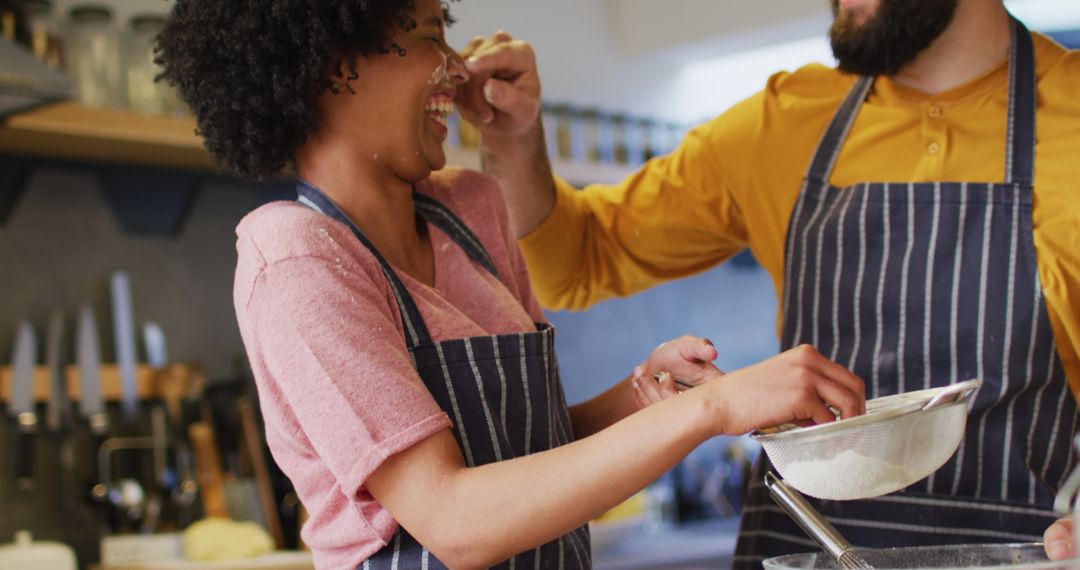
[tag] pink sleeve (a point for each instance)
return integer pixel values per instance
(334, 351)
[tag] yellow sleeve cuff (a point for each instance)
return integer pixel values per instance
(550, 250)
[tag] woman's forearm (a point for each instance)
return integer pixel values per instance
(476, 517)
(604, 410)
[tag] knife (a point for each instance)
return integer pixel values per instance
(55, 413)
(59, 407)
(124, 336)
(22, 404)
(154, 339)
(88, 355)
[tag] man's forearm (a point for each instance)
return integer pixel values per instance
(520, 165)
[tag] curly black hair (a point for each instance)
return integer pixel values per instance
(251, 69)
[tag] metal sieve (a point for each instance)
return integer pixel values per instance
(900, 440)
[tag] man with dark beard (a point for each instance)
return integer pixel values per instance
(914, 230)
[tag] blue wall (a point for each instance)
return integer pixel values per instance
(733, 305)
(1069, 39)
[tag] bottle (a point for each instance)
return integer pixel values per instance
(45, 34)
(646, 128)
(622, 140)
(590, 130)
(549, 119)
(144, 94)
(563, 133)
(13, 24)
(94, 56)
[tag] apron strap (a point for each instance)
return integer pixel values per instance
(832, 140)
(431, 210)
(441, 217)
(1020, 152)
(1020, 126)
(416, 333)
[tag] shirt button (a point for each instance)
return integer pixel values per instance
(933, 148)
(934, 111)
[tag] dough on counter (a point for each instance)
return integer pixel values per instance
(224, 539)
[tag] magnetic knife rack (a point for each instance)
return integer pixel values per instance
(169, 383)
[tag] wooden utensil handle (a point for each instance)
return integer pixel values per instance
(253, 440)
(208, 469)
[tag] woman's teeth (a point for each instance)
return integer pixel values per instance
(440, 110)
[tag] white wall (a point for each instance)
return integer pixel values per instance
(578, 56)
(681, 60)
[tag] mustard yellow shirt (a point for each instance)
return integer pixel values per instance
(732, 184)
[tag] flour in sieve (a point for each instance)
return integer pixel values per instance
(847, 475)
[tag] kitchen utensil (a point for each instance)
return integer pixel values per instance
(208, 469)
(56, 411)
(900, 440)
(22, 405)
(163, 476)
(178, 390)
(814, 524)
(154, 340)
(124, 334)
(126, 496)
(253, 440)
(91, 404)
(1022, 556)
(88, 355)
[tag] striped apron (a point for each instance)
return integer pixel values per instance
(917, 285)
(502, 392)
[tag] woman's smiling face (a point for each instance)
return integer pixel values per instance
(396, 110)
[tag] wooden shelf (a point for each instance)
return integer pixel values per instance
(576, 172)
(73, 131)
(151, 383)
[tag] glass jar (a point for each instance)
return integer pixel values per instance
(45, 33)
(94, 56)
(549, 121)
(646, 138)
(620, 139)
(144, 94)
(13, 22)
(563, 133)
(590, 119)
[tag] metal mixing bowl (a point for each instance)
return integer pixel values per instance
(1029, 555)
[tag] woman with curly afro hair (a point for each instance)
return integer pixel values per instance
(405, 371)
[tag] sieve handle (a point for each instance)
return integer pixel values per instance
(954, 393)
(807, 516)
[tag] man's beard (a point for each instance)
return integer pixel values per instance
(889, 39)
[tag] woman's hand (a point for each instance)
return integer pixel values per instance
(1059, 539)
(672, 367)
(794, 386)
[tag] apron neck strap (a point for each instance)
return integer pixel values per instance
(431, 210)
(1020, 125)
(1020, 130)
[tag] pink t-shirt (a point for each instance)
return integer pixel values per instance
(324, 336)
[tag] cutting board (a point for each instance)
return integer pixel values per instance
(285, 560)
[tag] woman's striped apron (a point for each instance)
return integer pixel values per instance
(916, 285)
(502, 393)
